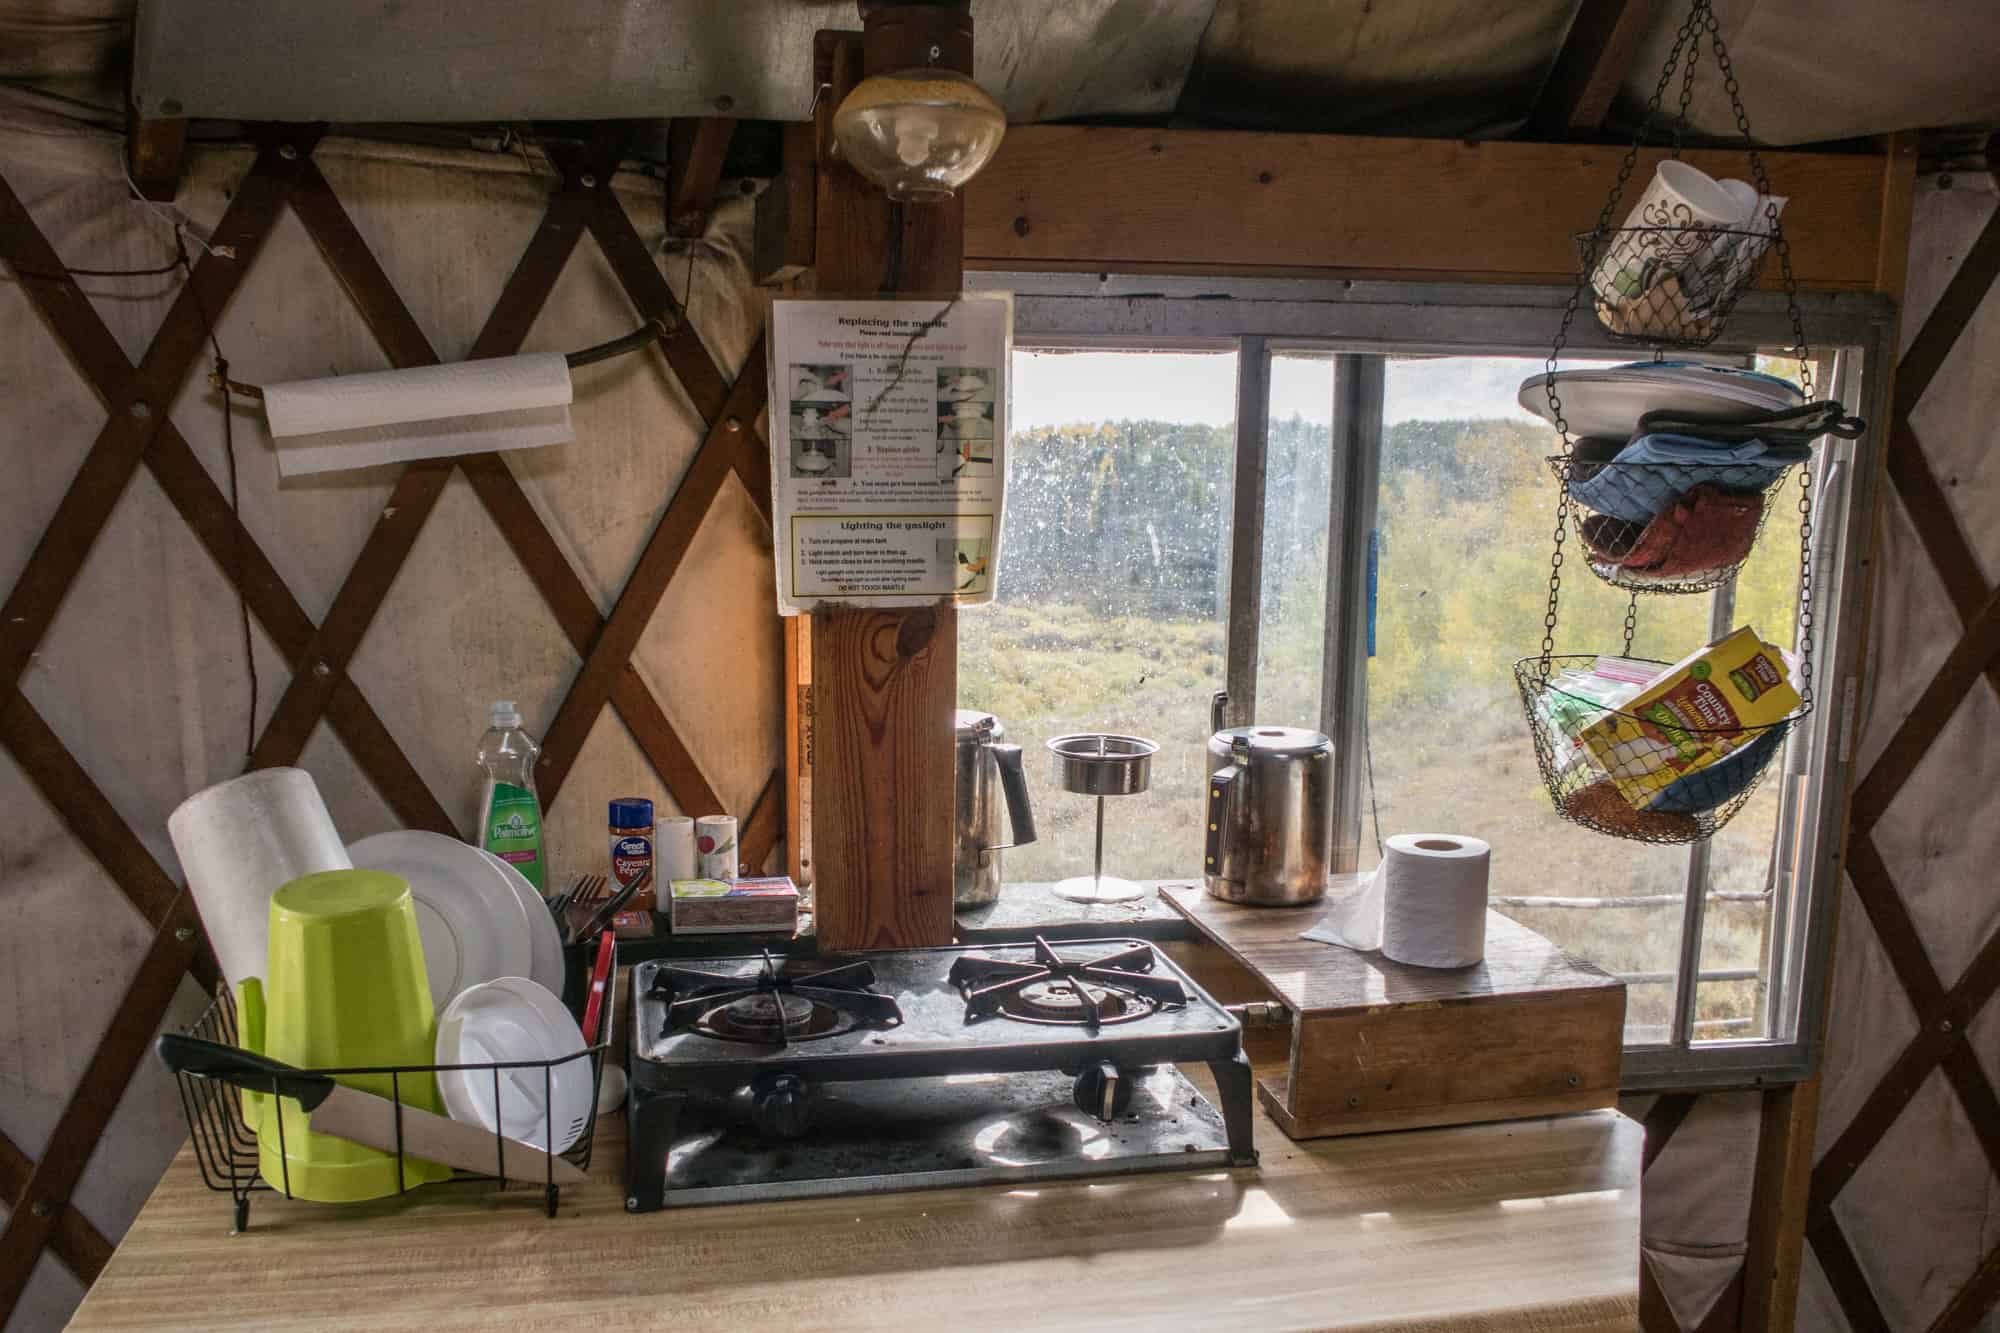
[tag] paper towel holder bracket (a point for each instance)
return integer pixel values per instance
(656, 329)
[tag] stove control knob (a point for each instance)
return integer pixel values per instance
(1103, 1090)
(780, 1105)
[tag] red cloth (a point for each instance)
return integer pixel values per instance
(1706, 529)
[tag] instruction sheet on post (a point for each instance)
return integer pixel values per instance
(888, 439)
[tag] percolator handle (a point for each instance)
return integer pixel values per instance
(1014, 786)
(1223, 785)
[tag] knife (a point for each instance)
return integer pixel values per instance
(333, 1108)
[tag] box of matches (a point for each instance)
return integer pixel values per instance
(718, 907)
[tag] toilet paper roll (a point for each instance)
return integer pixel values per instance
(1424, 905)
(238, 842)
(349, 421)
(673, 844)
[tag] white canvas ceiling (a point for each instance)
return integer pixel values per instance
(1812, 70)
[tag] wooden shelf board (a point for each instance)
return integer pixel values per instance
(1314, 978)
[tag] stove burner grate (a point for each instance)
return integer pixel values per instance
(1093, 992)
(774, 1007)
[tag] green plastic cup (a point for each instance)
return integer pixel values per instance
(344, 985)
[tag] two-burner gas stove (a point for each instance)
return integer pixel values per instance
(765, 1078)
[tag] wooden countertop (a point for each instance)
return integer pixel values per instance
(1523, 1225)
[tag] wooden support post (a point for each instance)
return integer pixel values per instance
(155, 154)
(798, 749)
(1603, 44)
(885, 683)
(782, 247)
(1778, 1209)
(695, 149)
(1790, 1202)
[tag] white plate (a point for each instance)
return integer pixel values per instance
(472, 926)
(545, 948)
(1610, 401)
(513, 1018)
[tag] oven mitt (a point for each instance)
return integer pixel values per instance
(1789, 425)
(1706, 529)
(1654, 470)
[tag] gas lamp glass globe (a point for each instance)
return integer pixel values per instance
(919, 133)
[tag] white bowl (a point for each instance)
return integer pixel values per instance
(514, 1018)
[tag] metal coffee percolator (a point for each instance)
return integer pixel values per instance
(1270, 813)
(989, 774)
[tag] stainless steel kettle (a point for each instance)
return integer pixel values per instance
(1270, 813)
(989, 774)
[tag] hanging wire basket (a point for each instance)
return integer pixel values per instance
(1633, 775)
(1657, 523)
(1668, 527)
(1670, 286)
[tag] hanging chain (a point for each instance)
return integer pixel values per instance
(1681, 60)
(1687, 81)
(1683, 41)
(1762, 179)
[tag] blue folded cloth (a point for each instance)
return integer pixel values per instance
(1654, 470)
(1724, 780)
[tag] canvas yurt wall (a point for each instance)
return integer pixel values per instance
(128, 685)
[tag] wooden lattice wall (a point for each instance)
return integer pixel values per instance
(136, 431)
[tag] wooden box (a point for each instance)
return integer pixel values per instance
(1379, 1045)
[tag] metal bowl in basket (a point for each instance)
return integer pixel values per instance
(1098, 764)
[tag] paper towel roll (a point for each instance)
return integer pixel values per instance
(673, 844)
(349, 421)
(238, 841)
(1425, 904)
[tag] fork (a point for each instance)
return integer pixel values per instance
(583, 888)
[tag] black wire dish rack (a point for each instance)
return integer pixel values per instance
(226, 1148)
(1651, 773)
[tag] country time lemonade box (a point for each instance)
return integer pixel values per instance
(1695, 714)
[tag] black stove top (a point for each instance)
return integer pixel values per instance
(776, 1005)
(758, 1050)
(1118, 987)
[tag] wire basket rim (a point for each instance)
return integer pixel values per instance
(1588, 238)
(1527, 672)
(1558, 460)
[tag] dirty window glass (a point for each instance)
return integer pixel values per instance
(1113, 591)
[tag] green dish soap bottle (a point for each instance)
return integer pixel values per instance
(510, 813)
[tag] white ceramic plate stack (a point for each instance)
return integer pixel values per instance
(1609, 401)
(545, 946)
(476, 922)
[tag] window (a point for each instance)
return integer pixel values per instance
(1114, 594)
(1389, 575)
(1463, 535)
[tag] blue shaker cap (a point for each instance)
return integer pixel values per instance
(632, 812)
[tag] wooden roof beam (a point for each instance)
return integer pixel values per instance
(1603, 43)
